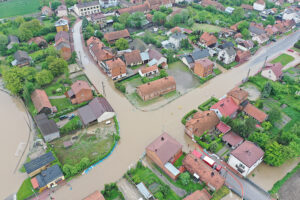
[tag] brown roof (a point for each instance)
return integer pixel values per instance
(157, 85)
(165, 147)
(95, 196)
(255, 113)
(176, 29)
(133, 57)
(205, 62)
(133, 9)
(40, 100)
(116, 66)
(246, 6)
(37, 40)
(199, 195)
(243, 55)
(216, 4)
(238, 93)
(208, 38)
(262, 2)
(232, 138)
(79, 85)
(235, 26)
(62, 35)
(116, 35)
(205, 172)
(145, 70)
(100, 52)
(93, 40)
(248, 153)
(202, 121)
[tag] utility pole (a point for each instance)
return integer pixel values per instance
(103, 89)
(265, 62)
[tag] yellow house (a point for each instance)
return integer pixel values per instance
(62, 25)
(48, 178)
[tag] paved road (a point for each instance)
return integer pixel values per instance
(139, 128)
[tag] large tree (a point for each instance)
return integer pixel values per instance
(58, 66)
(44, 77)
(159, 18)
(122, 44)
(275, 154)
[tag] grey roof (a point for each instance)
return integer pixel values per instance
(189, 59)
(178, 36)
(94, 110)
(144, 56)
(230, 51)
(143, 190)
(39, 162)
(226, 45)
(62, 34)
(88, 4)
(46, 126)
(49, 175)
(255, 30)
(199, 54)
(61, 22)
(21, 55)
(13, 39)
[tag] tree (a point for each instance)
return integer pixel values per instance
(266, 126)
(274, 115)
(267, 90)
(245, 33)
(118, 26)
(28, 73)
(123, 18)
(275, 154)
(70, 2)
(122, 44)
(190, 22)
(185, 44)
(159, 18)
(58, 66)
(44, 77)
(243, 25)
(13, 79)
(67, 170)
(24, 33)
(296, 129)
(165, 189)
(55, 4)
(238, 14)
(135, 20)
(85, 23)
(3, 40)
(19, 20)
(213, 147)
(261, 139)
(185, 178)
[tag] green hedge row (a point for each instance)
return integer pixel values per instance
(183, 121)
(64, 112)
(206, 105)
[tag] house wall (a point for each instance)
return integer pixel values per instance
(258, 7)
(106, 116)
(62, 28)
(119, 76)
(66, 53)
(233, 162)
(269, 74)
(50, 137)
(87, 10)
(84, 95)
(32, 174)
(225, 58)
(54, 183)
(62, 13)
(109, 3)
(218, 113)
(157, 93)
(203, 72)
(46, 110)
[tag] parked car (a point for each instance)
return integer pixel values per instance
(71, 116)
(63, 117)
(290, 50)
(217, 167)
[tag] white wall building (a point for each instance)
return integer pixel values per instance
(87, 8)
(108, 3)
(259, 5)
(227, 55)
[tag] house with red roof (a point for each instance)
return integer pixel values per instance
(208, 40)
(255, 113)
(116, 68)
(199, 195)
(164, 151)
(112, 37)
(232, 139)
(148, 71)
(41, 102)
(226, 107)
(80, 92)
(272, 71)
(246, 157)
(223, 128)
(95, 196)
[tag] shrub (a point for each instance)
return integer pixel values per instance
(72, 125)
(192, 112)
(120, 87)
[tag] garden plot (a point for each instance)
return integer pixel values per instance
(252, 90)
(293, 73)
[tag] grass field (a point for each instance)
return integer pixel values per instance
(13, 8)
(206, 28)
(284, 59)
(25, 190)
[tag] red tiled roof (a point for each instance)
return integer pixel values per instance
(232, 138)
(216, 4)
(255, 113)
(223, 128)
(40, 100)
(149, 69)
(197, 153)
(176, 29)
(79, 85)
(95, 196)
(248, 153)
(199, 195)
(133, 9)
(276, 68)
(116, 35)
(37, 40)
(35, 183)
(116, 66)
(246, 6)
(204, 62)
(208, 39)
(133, 57)
(188, 31)
(261, 2)
(93, 40)
(226, 106)
(101, 53)
(205, 172)
(238, 93)
(165, 147)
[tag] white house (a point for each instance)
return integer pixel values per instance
(272, 71)
(61, 11)
(229, 10)
(259, 5)
(156, 56)
(108, 3)
(176, 38)
(260, 38)
(148, 71)
(291, 13)
(87, 8)
(246, 157)
(227, 55)
(226, 107)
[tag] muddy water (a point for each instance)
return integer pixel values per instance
(14, 134)
(139, 128)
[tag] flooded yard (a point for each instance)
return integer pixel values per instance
(290, 189)
(253, 91)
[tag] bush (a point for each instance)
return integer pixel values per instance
(207, 104)
(72, 125)
(297, 44)
(120, 87)
(192, 112)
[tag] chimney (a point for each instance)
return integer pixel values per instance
(212, 174)
(207, 114)
(162, 138)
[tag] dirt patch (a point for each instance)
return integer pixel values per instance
(253, 91)
(290, 189)
(128, 190)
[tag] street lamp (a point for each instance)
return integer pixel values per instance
(34, 193)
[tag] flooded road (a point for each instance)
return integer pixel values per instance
(14, 135)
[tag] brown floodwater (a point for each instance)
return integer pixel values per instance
(14, 134)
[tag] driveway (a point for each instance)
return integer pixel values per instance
(139, 128)
(128, 190)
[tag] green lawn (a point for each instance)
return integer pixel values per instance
(206, 28)
(296, 49)
(13, 8)
(145, 175)
(284, 59)
(178, 162)
(26, 190)
(51, 89)
(220, 193)
(61, 104)
(112, 192)
(82, 78)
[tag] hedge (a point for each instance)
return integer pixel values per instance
(66, 111)
(204, 105)
(183, 121)
(72, 125)
(279, 183)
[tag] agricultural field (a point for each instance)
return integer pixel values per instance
(12, 8)
(206, 28)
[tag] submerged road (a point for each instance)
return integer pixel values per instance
(138, 128)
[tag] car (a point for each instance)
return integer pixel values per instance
(71, 116)
(63, 117)
(273, 40)
(290, 50)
